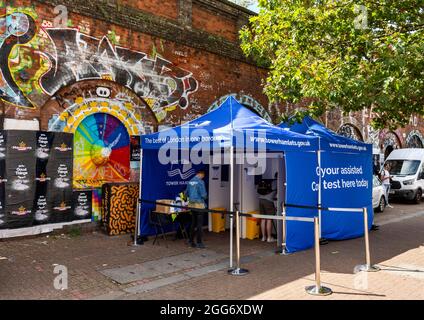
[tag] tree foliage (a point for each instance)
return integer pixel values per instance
(342, 53)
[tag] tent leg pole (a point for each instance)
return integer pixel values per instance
(231, 206)
(137, 213)
(322, 240)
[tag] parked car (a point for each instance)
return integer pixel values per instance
(407, 171)
(378, 198)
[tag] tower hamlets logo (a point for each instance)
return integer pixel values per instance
(184, 173)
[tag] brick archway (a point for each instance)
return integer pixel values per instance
(389, 142)
(72, 104)
(414, 139)
(349, 130)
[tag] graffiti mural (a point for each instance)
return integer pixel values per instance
(15, 28)
(246, 101)
(101, 151)
(350, 131)
(84, 57)
(414, 140)
(48, 59)
(102, 115)
(72, 104)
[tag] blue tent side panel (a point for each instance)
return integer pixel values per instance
(162, 181)
(302, 184)
(347, 185)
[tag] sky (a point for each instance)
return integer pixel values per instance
(254, 7)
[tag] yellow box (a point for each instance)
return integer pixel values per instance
(252, 228)
(218, 221)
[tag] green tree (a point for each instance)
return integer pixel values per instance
(342, 53)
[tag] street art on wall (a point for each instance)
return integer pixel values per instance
(390, 142)
(101, 151)
(92, 109)
(72, 104)
(414, 140)
(20, 67)
(350, 131)
(119, 207)
(46, 59)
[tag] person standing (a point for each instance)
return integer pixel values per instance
(197, 195)
(267, 192)
(385, 179)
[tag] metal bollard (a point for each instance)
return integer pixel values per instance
(284, 251)
(238, 271)
(367, 267)
(231, 269)
(137, 217)
(317, 289)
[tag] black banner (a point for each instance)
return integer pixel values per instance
(2, 145)
(36, 178)
(44, 141)
(60, 173)
(62, 146)
(19, 215)
(135, 148)
(19, 143)
(41, 203)
(3, 218)
(61, 208)
(82, 201)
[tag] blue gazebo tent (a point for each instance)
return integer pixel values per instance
(229, 129)
(345, 179)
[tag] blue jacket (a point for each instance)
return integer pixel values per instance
(196, 190)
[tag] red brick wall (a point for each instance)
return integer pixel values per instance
(214, 23)
(166, 9)
(189, 80)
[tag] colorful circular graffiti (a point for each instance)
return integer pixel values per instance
(101, 151)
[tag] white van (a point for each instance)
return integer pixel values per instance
(407, 171)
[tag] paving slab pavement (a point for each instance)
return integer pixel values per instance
(100, 266)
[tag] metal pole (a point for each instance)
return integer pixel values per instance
(322, 240)
(137, 214)
(284, 251)
(319, 186)
(231, 205)
(367, 266)
(231, 185)
(317, 289)
(238, 271)
(279, 203)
